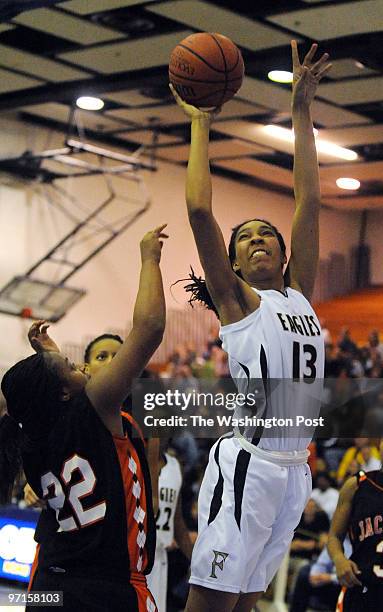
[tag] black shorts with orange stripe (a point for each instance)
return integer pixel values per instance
(94, 593)
(360, 599)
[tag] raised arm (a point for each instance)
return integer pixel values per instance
(346, 570)
(305, 231)
(231, 296)
(110, 386)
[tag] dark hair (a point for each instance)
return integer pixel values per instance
(198, 288)
(95, 340)
(199, 291)
(10, 456)
(235, 230)
(325, 475)
(32, 388)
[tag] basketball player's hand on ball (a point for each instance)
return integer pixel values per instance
(347, 572)
(151, 244)
(39, 340)
(193, 112)
(306, 76)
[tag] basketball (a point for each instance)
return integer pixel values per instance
(206, 69)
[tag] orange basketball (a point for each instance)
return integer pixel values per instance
(206, 69)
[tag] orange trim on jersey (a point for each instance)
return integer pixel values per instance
(339, 604)
(34, 567)
(144, 597)
(126, 451)
(374, 483)
(134, 423)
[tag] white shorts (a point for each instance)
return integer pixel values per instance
(248, 508)
(158, 578)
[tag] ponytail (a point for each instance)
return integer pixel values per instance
(199, 291)
(10, 456)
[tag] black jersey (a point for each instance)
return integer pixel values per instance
(78, 469)
(366, 527)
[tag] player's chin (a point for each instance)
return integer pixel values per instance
(260, 270)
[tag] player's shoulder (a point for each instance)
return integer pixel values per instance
(173, 463)
(373, 476)
(172, 460)
(296, 293)
(348, 489)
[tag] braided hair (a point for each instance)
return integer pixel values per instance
(32, 388)
(198, 288)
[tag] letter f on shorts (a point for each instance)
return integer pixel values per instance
(216, 563)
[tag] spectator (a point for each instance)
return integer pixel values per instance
(369, 460)
(220, 360)
(317, 584)
(325, 332)
(374, 345)
(354, 452)
(345, 343)
(309, 538)
(325, 495)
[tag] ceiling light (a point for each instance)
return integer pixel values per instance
(89, 103)
(280, 76)
(279, 132)
(348, 183)
(323, 146)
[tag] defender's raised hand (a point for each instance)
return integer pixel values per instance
(39, 340)
(307, 75)
(151, 244)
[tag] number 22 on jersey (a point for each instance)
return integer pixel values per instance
(60, 491)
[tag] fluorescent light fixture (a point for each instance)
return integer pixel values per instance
(348, 183)
(279, 132)
(280, 76)
(89, 103)
(323, 146)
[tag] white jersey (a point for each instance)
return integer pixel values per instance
(276, 354)
(169, 486)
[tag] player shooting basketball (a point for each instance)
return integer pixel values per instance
(254, 490)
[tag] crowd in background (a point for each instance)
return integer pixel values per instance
(332, 460)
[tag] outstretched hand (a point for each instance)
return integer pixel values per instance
(151, 244)
(192, 111)
(306, 76)
(39, 340)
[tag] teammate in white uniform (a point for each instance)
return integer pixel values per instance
(170, 527)
(255, 488)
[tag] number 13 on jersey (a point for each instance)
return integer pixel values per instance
(304, 361)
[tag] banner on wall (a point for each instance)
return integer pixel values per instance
(17, 546)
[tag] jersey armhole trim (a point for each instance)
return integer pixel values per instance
(242, 322)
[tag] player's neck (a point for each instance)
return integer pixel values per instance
(277, 284)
